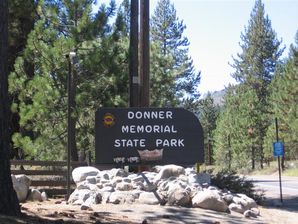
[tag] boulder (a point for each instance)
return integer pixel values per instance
(169, 171)
(35, 195)
(148, 198)
(117, 172)
(44, 196)
(120, 197)
(209, 199)
(122, 186)
(21, 185)
(245, 201)
(179, 197)
(80, 174)
(236, 208)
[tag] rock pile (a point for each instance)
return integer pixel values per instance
(170, 184)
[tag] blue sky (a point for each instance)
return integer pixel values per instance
(214, 28)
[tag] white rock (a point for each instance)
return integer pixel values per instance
(117, 172)
(74, 196)
(148, 198)
(79, 174)
(199, 178)
(122, 186)
(84, 194)
(255, 212)
(107, 189)
(228, 198)
(250, 213)
(34, 195)
(78, 202)
(209, 199)
(116, 180)
(169, 171)
(245, 201)
(120, 197)
(179, 197)
(21, 185)
(212, 188)
(236, 208)
(189, 171)
(44, 196)
(105, 196)
(95, 198)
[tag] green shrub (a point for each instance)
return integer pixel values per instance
(236, 184)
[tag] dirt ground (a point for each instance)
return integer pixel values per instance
(57, 211)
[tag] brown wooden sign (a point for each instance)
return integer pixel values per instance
(126, 136)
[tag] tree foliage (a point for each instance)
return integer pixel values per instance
(174, 76)
(100, 72)
(208, 114)
(249, 104)
(284, 107)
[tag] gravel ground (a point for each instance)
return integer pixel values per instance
(58, 212)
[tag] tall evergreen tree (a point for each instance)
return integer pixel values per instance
(233, 142)
(122, 22)
(254, 68)
(174, 73)
(22, 16)
(99, 73)
(208, 115)
(9, 204)
(284, 98)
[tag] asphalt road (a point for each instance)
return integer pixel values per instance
(270, 184)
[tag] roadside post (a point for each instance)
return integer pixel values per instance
(278, 150)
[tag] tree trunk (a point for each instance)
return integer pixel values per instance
(252, 157)
(9, 204)
(262, 158)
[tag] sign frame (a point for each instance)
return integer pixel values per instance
(135, 136)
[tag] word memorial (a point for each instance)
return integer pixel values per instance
(126, 136)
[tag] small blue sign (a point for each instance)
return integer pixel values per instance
(278, 149)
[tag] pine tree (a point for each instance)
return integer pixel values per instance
(233, 143)
(208, 114)
(123, 18)
(254, 68)
(177, 75)
(8, 201)
(284, 98)
(100, 72)
(22, 15)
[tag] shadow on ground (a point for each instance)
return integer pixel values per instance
(289, 203)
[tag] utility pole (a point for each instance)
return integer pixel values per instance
(144, 53)
(71, 139)
(134, 80)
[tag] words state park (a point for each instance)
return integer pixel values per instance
(142, 143)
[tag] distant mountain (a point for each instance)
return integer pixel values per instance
(217, 96)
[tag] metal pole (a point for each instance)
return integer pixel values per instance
(70, 120)
(145, 53)
(68, 125)
(278, 159)
(134, 80)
